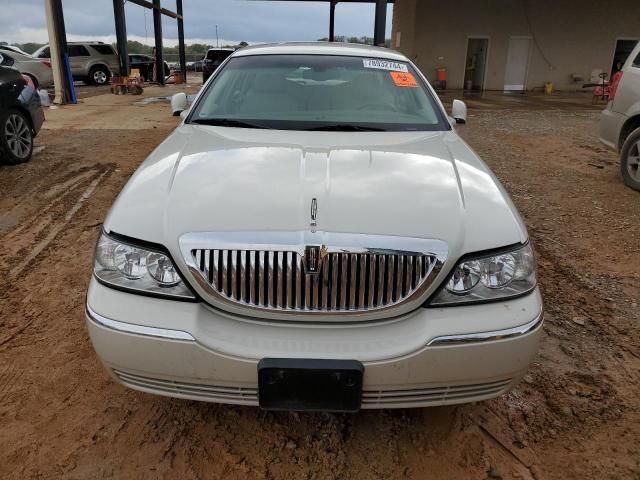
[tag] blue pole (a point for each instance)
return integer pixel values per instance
(72, 88)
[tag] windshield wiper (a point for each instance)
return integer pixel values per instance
(225, 122)
(347, 127)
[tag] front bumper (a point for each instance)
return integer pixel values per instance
(430, 357)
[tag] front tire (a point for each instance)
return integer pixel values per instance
(630, 160)
(99, 75)
(16, 138)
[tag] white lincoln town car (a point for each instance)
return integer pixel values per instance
(315, 236)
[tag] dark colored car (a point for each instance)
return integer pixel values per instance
(213, 59)
(21, 116)
(144, 63)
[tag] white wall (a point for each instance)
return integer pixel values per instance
(573, 36)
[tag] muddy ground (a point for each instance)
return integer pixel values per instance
(575, 416)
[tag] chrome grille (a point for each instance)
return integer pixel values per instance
(309, 273)
(346, 281)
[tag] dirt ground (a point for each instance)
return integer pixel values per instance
(576, 415)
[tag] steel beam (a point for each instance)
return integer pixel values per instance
(164, 11)
(332, 21)
(181, 52)
(380, 22)
(121, 36)
(157, 30)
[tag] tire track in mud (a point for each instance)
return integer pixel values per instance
(8, 380)
(23, 246)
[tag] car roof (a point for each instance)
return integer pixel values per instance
(225, 49)
(12, 49)
(321, 48)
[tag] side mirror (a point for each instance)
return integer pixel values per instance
(179, 103)
(1, 59)
(459, 111)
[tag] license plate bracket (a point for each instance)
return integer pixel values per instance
(310, 384)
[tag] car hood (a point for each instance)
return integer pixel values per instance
(409, 184)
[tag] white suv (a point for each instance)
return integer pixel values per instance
(315, 236)
(620, 122)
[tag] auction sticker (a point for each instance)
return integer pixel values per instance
(384, 65)
(403, 79)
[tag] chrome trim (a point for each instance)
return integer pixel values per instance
(137, 329)
(449, 340)
(318, 293)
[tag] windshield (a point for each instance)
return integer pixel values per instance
(318, 92)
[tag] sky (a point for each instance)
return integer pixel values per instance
(237, 20)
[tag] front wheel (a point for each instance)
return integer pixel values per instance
(630, 160)
(16, 138)
(99, 75)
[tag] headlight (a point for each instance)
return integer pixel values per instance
(487, 278)
(142, 270)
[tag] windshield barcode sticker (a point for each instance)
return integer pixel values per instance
(385, 65)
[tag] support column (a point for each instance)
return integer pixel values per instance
(181, 52)
(157, 29)
(121, 36)
(63, 80)
(332, 21)
(380, 22)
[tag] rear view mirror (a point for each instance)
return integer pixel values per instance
(179, 103)
(459, 111)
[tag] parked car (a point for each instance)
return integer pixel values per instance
(620, 121)
(39, 70)
(14, 49)
(213, 59)
(144, 63)
(21, 115)
(92, 62)
(195, 66)
(315, 236)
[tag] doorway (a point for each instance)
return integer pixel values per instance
(624, 47)
(476, 64)
(515, 77)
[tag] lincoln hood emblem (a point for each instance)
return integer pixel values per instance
(314, 255)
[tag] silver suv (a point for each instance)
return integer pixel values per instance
(620, 122)
(92, 62)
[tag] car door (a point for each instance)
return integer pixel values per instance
(10, 86)
(79, 59)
